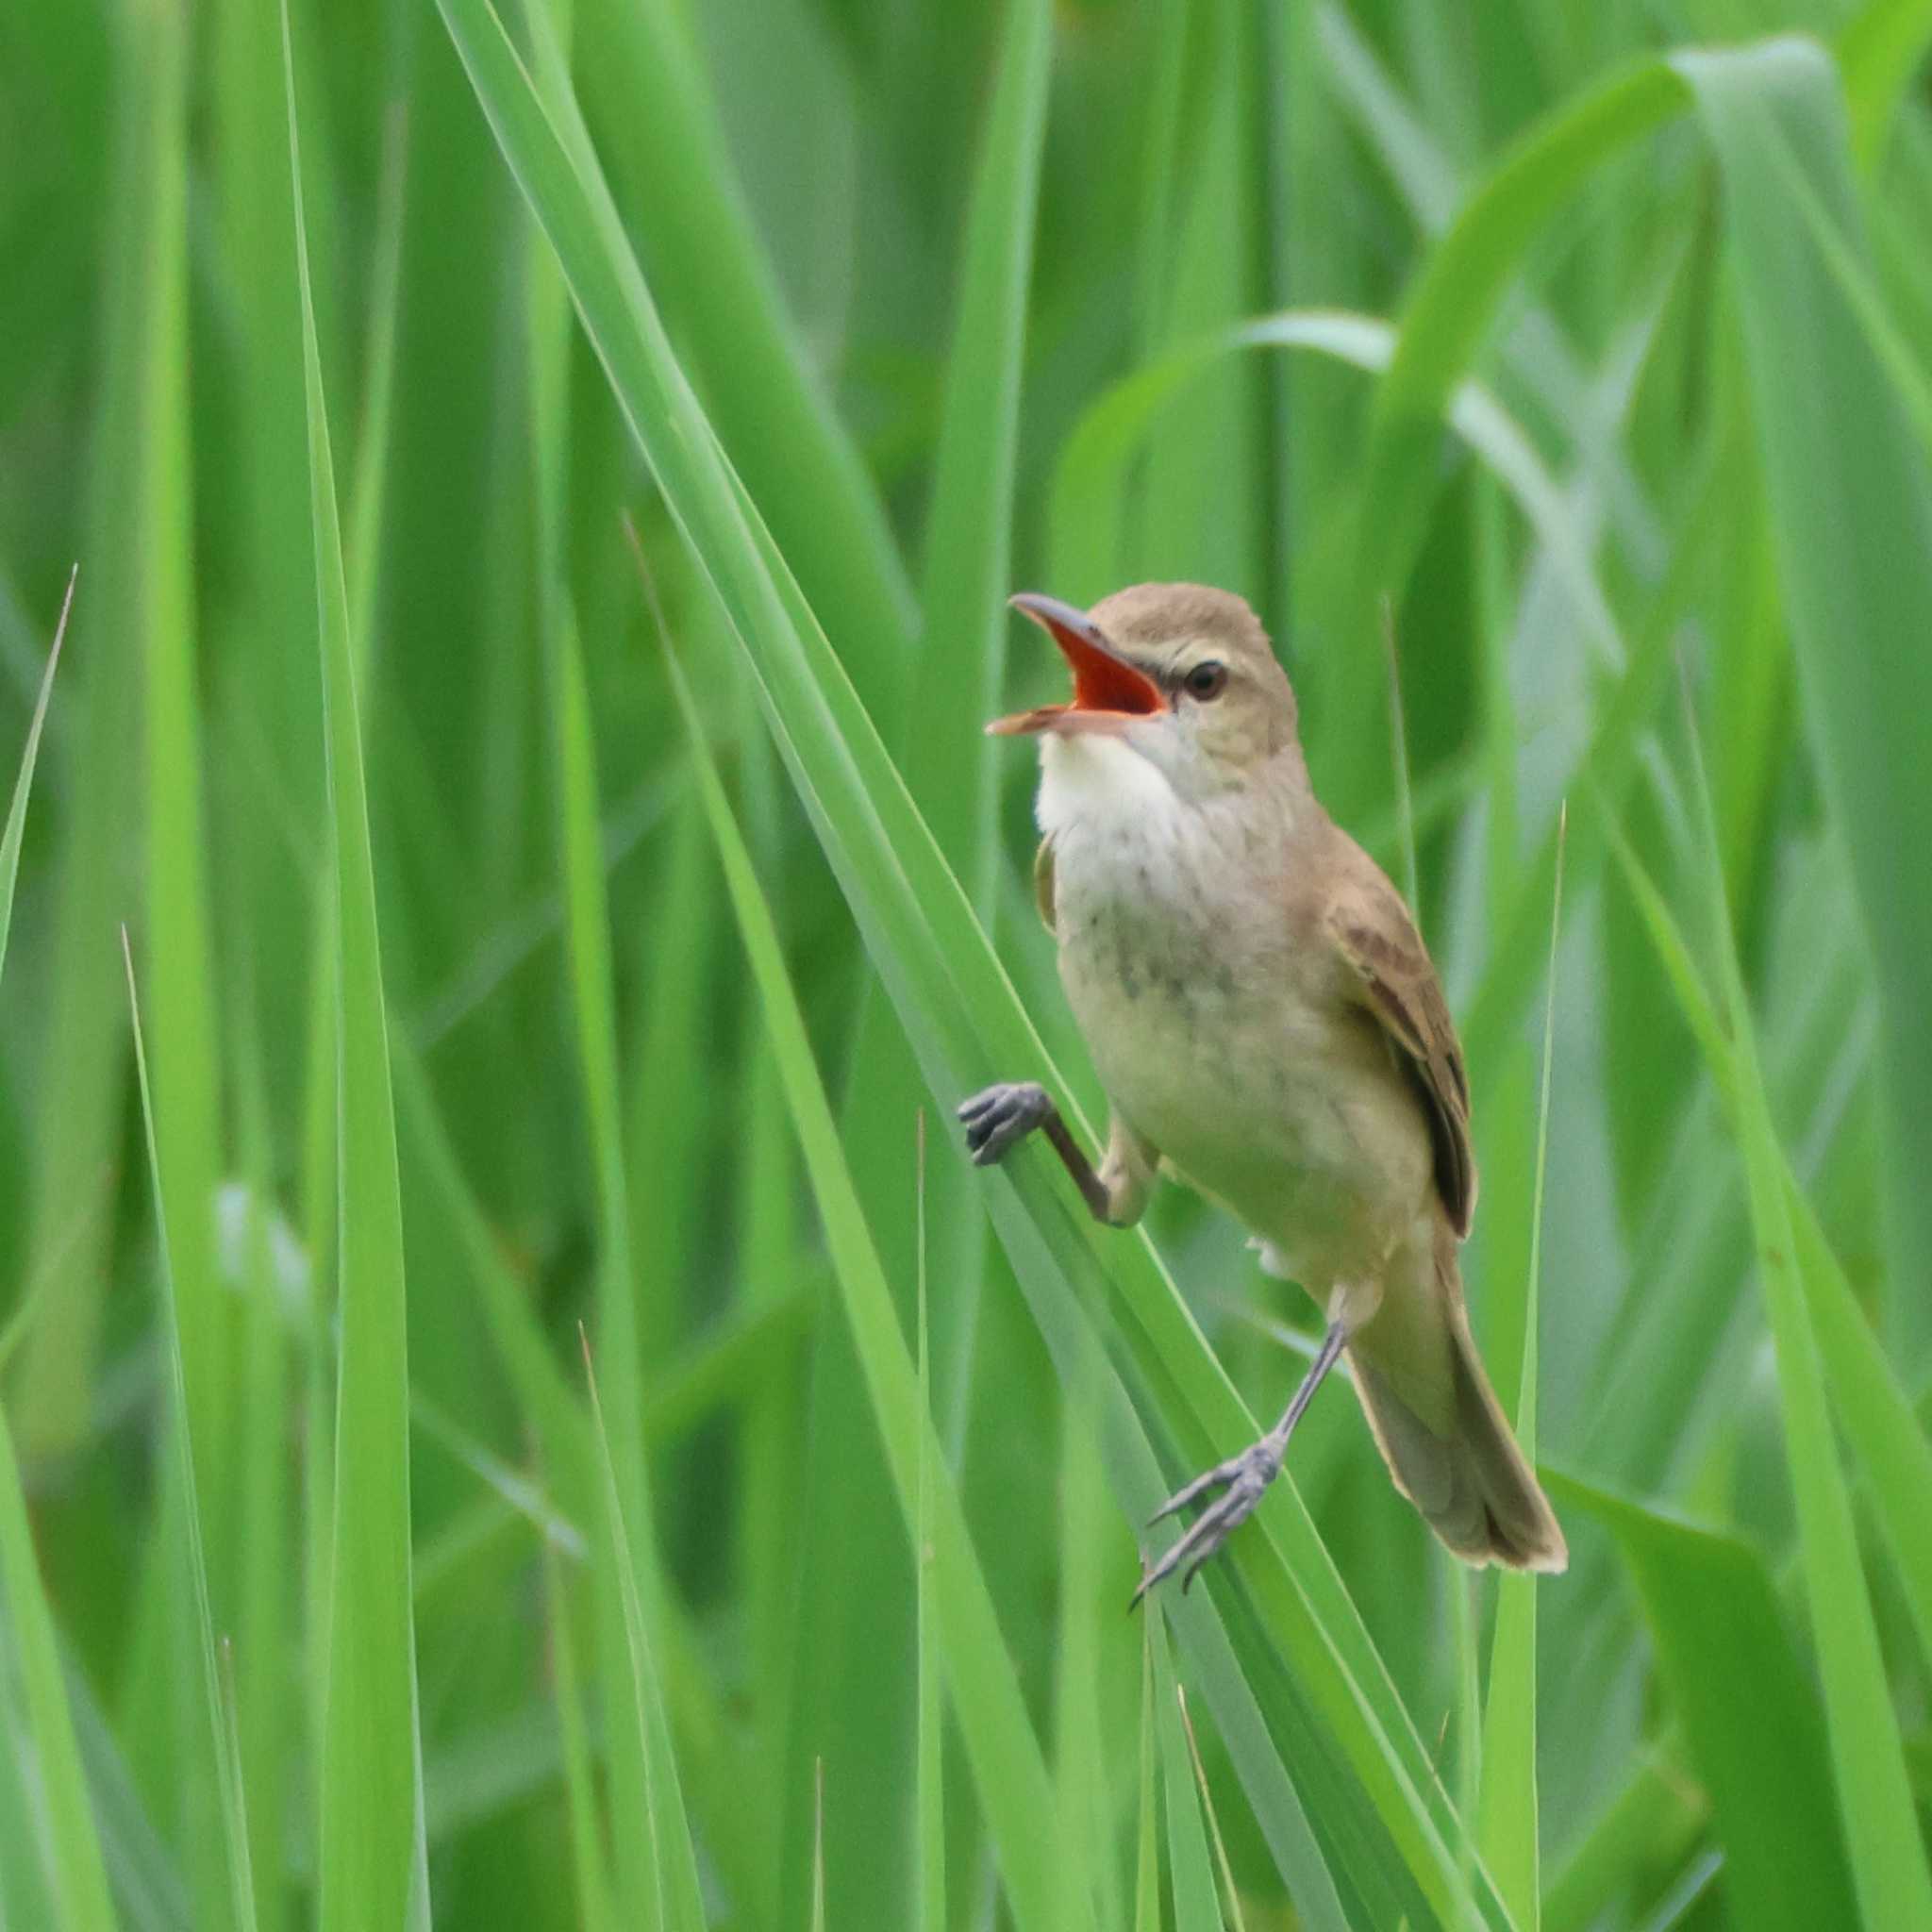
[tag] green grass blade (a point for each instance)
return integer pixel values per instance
(1748, 1708)
(818, 1850)
(543, 1396)
(1004, 1756)
(956, 673)
(1506, 1814)
(772, 409)
(645, 1886)
(1190, 1873)
(1900, 359)
(918, 923)
(968, 538)
(929, 1756)
(256, 1664)
(594, 1911)
(1093, 1653)
(79, 1120)
(368, 490)
(1207, 506)
(617, 1286)
(372, 1869)
(1851, 503)
(674, 1903)
(222, 1739)
(76, 1873)
(1444, 320)
(1147, 1836)
(1873, 1410)
(1232, 1896)
(23, 783)
(1887, 1857)
(1880, 49)
(188, 1100)
(1659, 1816)
(1088, 505)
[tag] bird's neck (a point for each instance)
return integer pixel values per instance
(1094, 788)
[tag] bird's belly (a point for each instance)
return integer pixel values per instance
(1285, 1112)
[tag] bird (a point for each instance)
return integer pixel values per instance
(1270, 1030)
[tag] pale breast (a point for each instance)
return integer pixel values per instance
(1219, 1038)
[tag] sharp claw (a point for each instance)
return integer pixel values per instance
(1204, 1538)
(1217, 1477)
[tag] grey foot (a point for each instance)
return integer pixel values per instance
(1001, 1115)
(1243, 1481)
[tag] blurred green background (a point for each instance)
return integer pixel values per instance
(1562, 399)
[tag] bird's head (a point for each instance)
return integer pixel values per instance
(1179, 674)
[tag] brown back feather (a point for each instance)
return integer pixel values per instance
(1376, 937)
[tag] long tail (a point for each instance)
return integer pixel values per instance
(1472, 1485)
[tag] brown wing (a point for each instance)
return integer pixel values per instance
(1043, 882)
(1376, 936)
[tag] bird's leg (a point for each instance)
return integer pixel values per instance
(1242, 1479)
(998, 1119)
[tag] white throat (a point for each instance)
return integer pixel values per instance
(1092, 781)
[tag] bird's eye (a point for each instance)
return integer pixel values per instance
(1206, 680)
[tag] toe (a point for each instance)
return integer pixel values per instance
(1217, 1477)
(1243, 1481)
(1200, 1540)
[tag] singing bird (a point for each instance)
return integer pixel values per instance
(1270, 1030)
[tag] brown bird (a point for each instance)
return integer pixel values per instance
(1269, 1028)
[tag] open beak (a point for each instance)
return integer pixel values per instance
(1108, 691)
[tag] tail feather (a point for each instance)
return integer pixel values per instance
(1472, 1485)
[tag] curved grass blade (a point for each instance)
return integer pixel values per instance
(595, 1912)
(958, 673)
(1507, 1811)
(617, 1288)
(1880, 49)
(1888, 1856)
(1851, 504)
(1748, 1709)
(182, 995)
(1444, 320)
(1190, 1874)
(676, 1902)
(23, 783)
(968, 541)
(639, 1856)
(77, 1874)
(1087, 512)
(223, 1743)
(1748, 101)
(374, 1871)
(1654, 1821)
(1872, 1408)
(1221, 1859)
(1008, 1768)
(929, 1791)
(921, 933)
(771, 407)
(1146, 1837)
